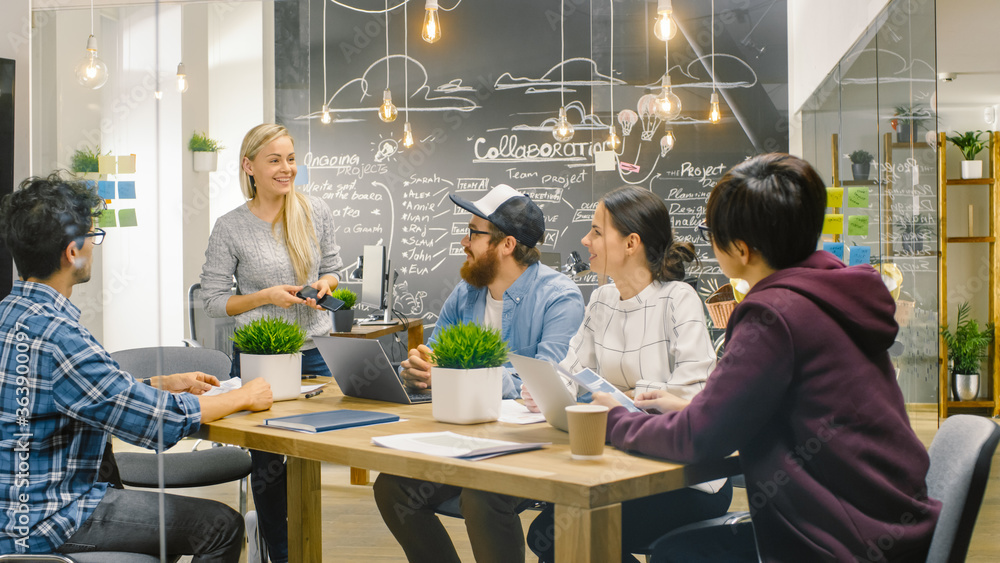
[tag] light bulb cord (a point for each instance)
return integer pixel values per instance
(91, 17)
(611, 72)
(386, 44)
(406, 61)
(325, 99)
(562, 54)
(712, 32)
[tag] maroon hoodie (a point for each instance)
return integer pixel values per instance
(807, 394)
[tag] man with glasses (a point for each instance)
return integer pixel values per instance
(537, 310)
(62, 397)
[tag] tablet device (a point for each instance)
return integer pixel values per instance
(546, 388)
(328, 302)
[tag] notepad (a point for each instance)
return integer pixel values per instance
(450, 444)
(330, 420)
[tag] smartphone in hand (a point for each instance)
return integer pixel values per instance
(328, 302)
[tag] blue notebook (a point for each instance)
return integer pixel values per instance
(330, 420)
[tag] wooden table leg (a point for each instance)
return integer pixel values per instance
(305, 517)
(415, 335)
(585, 535)
(359, 476)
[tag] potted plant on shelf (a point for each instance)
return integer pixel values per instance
(861, 163)
(343, 318)
(907, 120)
(966, 348)
(269, 348)
(84, 163)
(205, 151)
(970, 144)
(468, 374)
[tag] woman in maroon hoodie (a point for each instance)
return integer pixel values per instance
(805, 390)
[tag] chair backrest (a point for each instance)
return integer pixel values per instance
(960, 454)
(208, 331)
(165, 360)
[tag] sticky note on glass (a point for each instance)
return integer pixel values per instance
(106, 189)
(107, 218)
(857, 197)
(126, 164)
(858, 255)
(835, 248)
(302, 176)
(857, 226)
(833, 224)
(126, 217)
(835, 197)
(604, 161)
(126, 190)
(91, 185)
(107, 164)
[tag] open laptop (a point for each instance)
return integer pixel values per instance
(546, 387)
(362, 369)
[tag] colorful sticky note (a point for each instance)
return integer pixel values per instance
(835, 248)
(858, 255)
(126, 189)
(835, 197)
(857, 197)
(91, 185)
(107, 164)
(857, 226)
(126, 164)
(126, 218)
(604, 161)
(833, 224)
(302, 176)
(106, 189)
(107, 219)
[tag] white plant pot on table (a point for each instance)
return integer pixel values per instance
(466, 396)
(282, 371)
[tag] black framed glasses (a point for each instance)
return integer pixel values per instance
(705, 232)
(474, 232)
(97, 234)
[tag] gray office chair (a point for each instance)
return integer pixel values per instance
(199, 468)
(205, 331)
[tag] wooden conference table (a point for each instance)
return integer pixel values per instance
(587, 493)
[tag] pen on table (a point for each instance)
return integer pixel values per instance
(313, 393)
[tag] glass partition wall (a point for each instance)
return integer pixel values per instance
(870, 129)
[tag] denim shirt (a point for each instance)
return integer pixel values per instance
(542, 310)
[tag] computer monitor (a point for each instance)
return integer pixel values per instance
(376, 287)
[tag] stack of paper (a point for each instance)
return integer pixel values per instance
(449, 444)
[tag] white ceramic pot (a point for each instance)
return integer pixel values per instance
(972, 169)
(466, 396)
(205, 161)
(282, 371)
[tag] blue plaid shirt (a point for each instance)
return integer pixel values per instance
(61, 394)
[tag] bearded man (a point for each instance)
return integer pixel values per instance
(537, 311)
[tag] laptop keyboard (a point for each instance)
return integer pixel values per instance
(419, 397)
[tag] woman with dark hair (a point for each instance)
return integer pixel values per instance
(646, 331)
(805, 391)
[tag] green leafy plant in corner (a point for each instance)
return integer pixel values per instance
(347, 296)
(85, 160)
(967, 345)
(969, 143)
(269, 336)
(861, 157)
(469, 346)
(201, 142)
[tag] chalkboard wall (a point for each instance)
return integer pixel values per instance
(482, 102)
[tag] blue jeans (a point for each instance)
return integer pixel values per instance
(128, 521)
(268, 476)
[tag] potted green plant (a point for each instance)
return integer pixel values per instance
(269, 348)
(907, 120)
(84, 162)
(343, 318)
(467, 376)
(205, 151)
(966, 348)
(861, 162)
(970, 144)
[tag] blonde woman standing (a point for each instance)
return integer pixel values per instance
(276, 243)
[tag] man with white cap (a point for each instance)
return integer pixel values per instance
(537, 310)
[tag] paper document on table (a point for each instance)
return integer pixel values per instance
(597, 384)
(235, 383)
(514, 412)
(450, 444)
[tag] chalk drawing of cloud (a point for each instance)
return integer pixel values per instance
(549, 82)
(582, 121)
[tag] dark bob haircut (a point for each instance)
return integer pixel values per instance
(42, 217)
(774, 203)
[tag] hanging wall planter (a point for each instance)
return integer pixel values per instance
(205, 151)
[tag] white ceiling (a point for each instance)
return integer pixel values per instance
(967, 44)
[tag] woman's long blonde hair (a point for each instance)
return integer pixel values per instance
(295, 214)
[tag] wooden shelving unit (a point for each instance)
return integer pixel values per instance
(944, 404)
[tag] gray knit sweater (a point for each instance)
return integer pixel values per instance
(245, 246)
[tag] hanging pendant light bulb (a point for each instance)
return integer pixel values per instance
(667, 142)
(668, 105)
(182, 81)
(407, 135)
(325, 118)
(91, 71)
(387, 111)
(563, 131)
(715, 114)
(613, 139)
(665, 28)
(432, 24)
